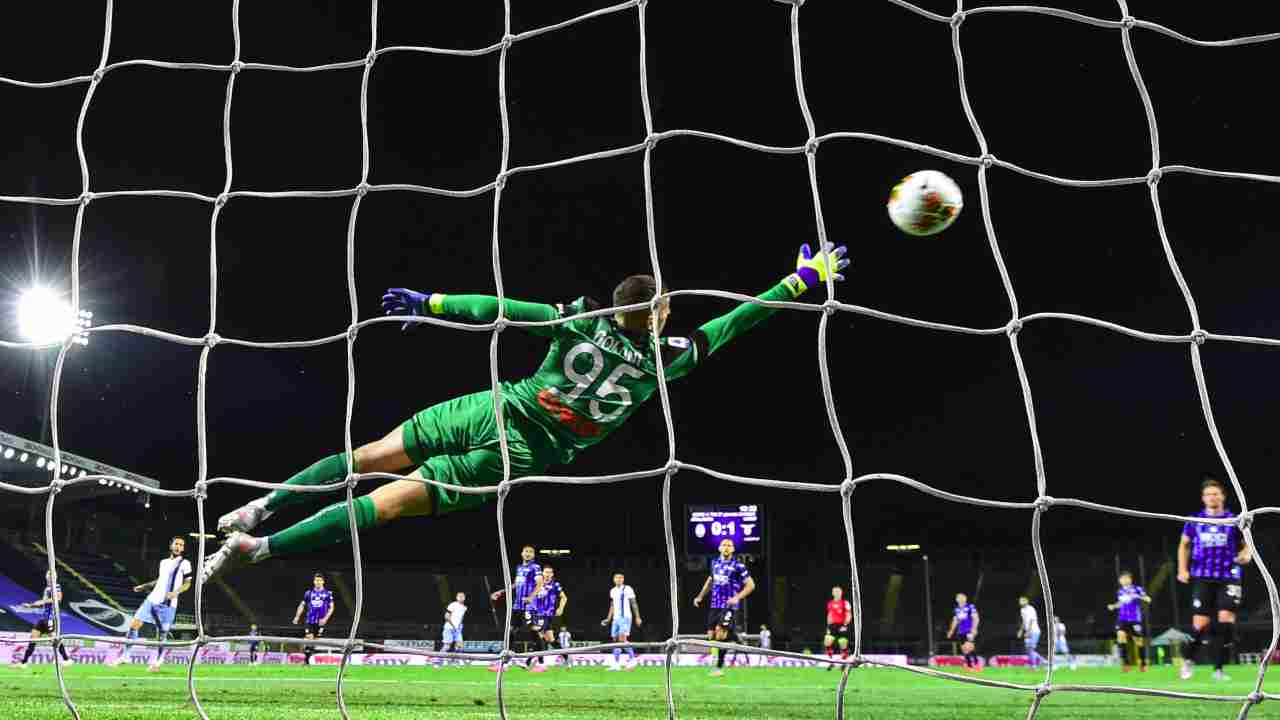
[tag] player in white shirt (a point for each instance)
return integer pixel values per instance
(1029, 631)
(766, 638)
(451, 635)
(1060, 642)
(623, 610)
(161, 605)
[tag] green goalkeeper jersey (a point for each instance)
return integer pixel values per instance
(595, 373)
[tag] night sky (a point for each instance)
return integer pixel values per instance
(1119, 419)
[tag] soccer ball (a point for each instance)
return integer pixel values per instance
(925, 203)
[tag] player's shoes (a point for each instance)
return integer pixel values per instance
(631, 665)
(1126, 668)
(538, 668)
(1142, 668)
(495, 666)
(238, 549)
(153, 667)
(1187, 668)
(19, 666)
(1221, 676)
(717, 673)
(115, 661)
(67, 663)
(613, 667)
(243, 519)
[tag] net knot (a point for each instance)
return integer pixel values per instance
(86, 197)
(672, 467)
(1043, 503)
(987, 160)
(1199, 335)
(97, 75)
(651, 141)
(55, 485)
(368, 59)
(1244, 520)
(1127, 22)
(1153, 177)
(212, 339)
(670, 646)
(202, 490)
(501, 181)
(847, 487)
(829, 307)
(506, 656)
(500, 324)
(1043, 690)
(352, 330)
(504, 488)
(363, 188)
(1014, 327)
(507, 41)
(811, 146)
(221, 200)
(237, 66)
(957, 18)
(1256, 698)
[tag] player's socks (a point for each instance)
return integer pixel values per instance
(323, 472)
(831, 651)
(31, 647)
(631, 653)
(161, 637)
(1227, 639)
(327, 527)
(844, 653)
(62, 650)
(720, 653)
(617, 656)
(1197, 639)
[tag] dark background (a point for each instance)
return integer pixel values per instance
(1119, 419)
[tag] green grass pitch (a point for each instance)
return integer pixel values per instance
(374, 693)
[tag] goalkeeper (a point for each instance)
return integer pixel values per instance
(597, 371)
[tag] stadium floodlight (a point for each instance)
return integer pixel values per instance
(44, 317)
(910, 547)
(23, 457)
(40, 462)
(8, 453)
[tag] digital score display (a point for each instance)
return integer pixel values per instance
(708, 525)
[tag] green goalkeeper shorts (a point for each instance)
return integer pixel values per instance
(456, 442)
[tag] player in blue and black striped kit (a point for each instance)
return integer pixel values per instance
(1129, 631)
(318, 604)
(1209, 558)
(45, 626)
(729, 582)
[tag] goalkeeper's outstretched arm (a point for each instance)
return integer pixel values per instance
(480, 308)
(811, 271)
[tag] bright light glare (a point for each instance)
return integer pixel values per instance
(8, 453)
(43, 317)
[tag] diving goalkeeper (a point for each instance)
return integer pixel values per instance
(597, 371)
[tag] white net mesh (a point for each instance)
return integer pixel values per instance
(983, 161)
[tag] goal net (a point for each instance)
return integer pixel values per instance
(1122, 24)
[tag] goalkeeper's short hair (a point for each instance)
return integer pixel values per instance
(635, 289)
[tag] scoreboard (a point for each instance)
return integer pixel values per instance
(708, 525)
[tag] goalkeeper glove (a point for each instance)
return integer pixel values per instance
(811, 270)
(403, 301)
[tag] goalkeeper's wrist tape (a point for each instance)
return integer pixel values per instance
(795, 284)
(435, 303)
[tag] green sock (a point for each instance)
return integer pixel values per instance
(323, 472)
(327, 527)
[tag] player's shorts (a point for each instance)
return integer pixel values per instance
(313, 629)
(538, 623)
(1032, 639)
(722, 618)
(44, 627)
(1208, 596)
(621, 626)
(451, 634)
(838, 631)
(1132, 629)
(456, 442)
(1061, 648)
(159, 615)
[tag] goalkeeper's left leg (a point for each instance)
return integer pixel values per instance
(464, 434)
